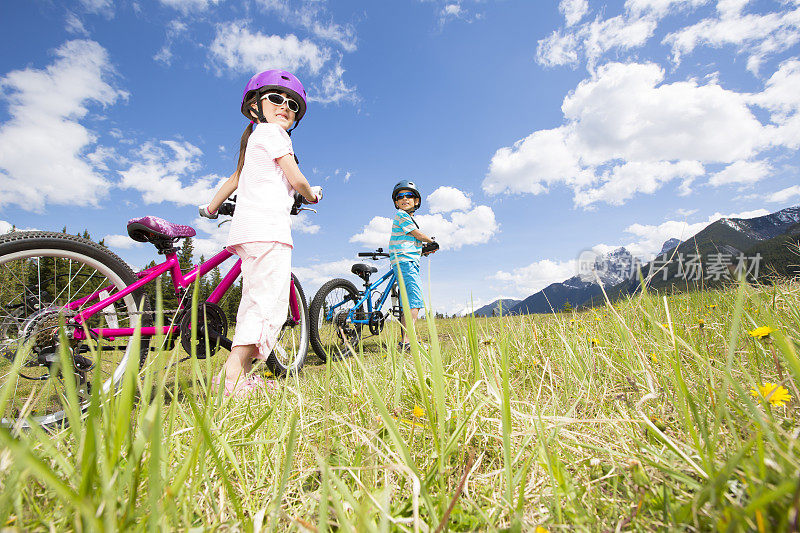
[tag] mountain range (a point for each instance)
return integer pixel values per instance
(759, 247)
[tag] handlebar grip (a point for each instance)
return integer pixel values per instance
(430, 247)
(227, 209)
(298, 201)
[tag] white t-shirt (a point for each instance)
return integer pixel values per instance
(264, 197)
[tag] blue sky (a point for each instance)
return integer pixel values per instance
(535, 130)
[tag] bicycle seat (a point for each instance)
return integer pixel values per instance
(363, 271)
(154, 229)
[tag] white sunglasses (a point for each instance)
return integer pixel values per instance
(279, 99)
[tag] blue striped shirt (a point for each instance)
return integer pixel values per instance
(402, 245)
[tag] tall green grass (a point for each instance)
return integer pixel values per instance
(633, 416)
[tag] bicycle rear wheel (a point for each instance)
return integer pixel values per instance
(331, 330)
(289, 354)
(45, 280)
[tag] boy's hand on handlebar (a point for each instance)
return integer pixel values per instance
(205, 213)
(430, 248)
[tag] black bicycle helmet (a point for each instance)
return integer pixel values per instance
(406, 185)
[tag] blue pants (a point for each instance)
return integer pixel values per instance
(413, 282)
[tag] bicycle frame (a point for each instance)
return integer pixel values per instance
(391, 276)
(179, 281)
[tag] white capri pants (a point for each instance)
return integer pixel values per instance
(266, 271)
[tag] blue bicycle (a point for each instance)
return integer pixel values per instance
(339, 312)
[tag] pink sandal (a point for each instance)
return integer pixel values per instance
(239, 388)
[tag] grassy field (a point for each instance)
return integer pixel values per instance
(653, 413)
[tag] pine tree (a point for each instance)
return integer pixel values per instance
(185, 256)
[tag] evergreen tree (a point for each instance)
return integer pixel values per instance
(186, 254)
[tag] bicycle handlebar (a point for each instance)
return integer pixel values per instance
(374, 255)
(227, 208)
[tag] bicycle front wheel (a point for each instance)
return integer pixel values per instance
(46, 279)
(289, 354)
(331, 329)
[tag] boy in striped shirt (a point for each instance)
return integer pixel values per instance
(405, 248)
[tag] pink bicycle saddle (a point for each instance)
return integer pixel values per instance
(145, 229)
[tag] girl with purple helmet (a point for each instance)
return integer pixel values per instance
(266, 178)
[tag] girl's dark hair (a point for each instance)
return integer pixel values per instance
(243, 146)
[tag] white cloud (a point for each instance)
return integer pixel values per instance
(216, 239)
(784, 195)
(781, 97)
(451, 10)
(536, 276)
(625, 180)
(43, 144)
(332, 88)
(160, 174)
(650, 237)
(100, 7)
(557, 50)
(573, 10)
(660, 8)
(743, 172)
(302, 223)
(462, 228)
(375, 233)
(594, 39)
(75, 26)
(313, 275)
(5, 227)
(189, 6)
(627, 132)
(175, 29)
(758, 35)
(238, 49)
(313, 17)
(615, 33)
(446, 199)
(123, 242)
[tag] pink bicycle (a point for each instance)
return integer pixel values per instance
(48, 279)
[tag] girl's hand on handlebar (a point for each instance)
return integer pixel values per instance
(317, 190)
(205, 213)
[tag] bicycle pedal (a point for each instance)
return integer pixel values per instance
(82, 363)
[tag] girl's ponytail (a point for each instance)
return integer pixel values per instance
(243, 146)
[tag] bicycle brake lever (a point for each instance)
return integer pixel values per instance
(306, 209)
(224, 221)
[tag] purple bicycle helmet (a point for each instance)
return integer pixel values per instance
(271, 80)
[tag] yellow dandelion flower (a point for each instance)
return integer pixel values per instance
(540, 529)
(775, 394)
(701, 323)
(712, 306)
(418, 411)
(594, 342)
(761, 332)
